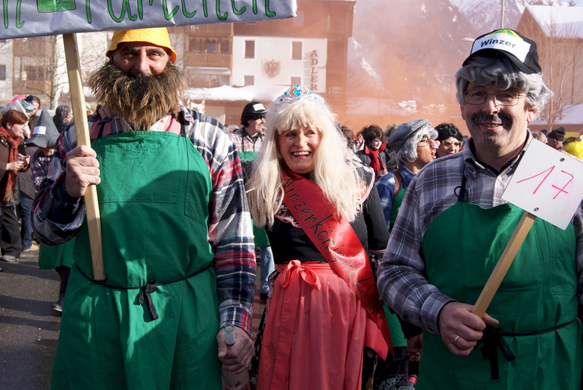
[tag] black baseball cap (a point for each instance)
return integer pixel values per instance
(254, 108)
(507, 44)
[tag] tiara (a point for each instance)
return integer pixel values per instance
(296, 94)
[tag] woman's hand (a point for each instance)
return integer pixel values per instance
(15, 165)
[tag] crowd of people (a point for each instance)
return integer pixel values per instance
(372, 247)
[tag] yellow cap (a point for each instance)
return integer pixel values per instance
(155, 36)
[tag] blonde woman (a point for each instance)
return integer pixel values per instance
(322, 215)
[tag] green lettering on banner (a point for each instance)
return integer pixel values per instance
(269, 13)
(255, 7)
(18, 23)
(5, 10)
(124, 5)
(225, 15)
(204, 9)
(235, 10)
(186, 13)
(88, 10)
(167, 15)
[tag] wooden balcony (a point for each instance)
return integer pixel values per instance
(28, 47)
(216, 29)
(219, 60)
(30, 87)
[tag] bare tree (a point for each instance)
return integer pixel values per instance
(561, 57)
(39, 67)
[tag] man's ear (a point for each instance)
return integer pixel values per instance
(531, 114)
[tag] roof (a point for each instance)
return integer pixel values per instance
(568, 20)
(231, 94)
(572, 115)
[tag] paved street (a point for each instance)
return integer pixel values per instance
(29, 329)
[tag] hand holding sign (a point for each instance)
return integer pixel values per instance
(547, 184)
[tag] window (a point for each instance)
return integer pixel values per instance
(295, 80)
(249, 80)
(2, 72)
(225, 46)
(296, 51)
(195, 44)
(34, 73)
(249, 49)
(211, 47)
(299, 19)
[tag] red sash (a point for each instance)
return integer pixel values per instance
(336, 241)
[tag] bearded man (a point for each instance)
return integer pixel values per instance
(177, 239)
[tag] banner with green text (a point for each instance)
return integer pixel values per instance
(31, 18)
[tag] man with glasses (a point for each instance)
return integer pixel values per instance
(249, 141)
(450, 139)
(453, 226)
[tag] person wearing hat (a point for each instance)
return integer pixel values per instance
(177, 240)
(249, 141)
(59, 257)
(413, 144)
(556, 138)
(450, 139)
(453, 226)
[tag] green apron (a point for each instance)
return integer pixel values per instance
(461, 247)
(397, 200)
(259, 234)
(397, 336)
(154, 201)
(51, 257)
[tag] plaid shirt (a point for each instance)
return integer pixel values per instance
(39, 166)
(246, 143)
(401, 275)
(230, 232)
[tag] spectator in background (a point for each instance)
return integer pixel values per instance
(63, 117)
(372, 155)
(539, 135)
(556, 137)
(349, 135)
(450, 139)
(249, 142)
(11, 162)
(35, 114)
(58, 257)
(359, 143)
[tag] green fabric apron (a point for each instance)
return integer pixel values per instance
(397, 336)
(51, 257)
(461, 248)
(259, 234)
(153, 200)
(397, 200)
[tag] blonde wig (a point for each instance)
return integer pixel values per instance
(333, 173)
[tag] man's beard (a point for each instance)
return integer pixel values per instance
(139, 100)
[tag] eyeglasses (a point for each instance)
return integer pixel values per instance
(424, 141)
(503, 98)
(449, 144)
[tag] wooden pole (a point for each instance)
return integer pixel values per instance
(503, 264)
(82, 134)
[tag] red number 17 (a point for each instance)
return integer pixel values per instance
(550, 170)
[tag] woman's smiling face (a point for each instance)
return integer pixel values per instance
(298, 148)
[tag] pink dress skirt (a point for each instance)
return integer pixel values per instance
(315, 332)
